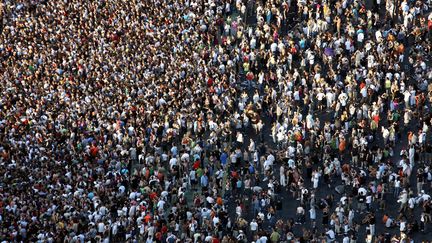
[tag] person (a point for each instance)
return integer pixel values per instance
(312, 216)
(346, 238)
(325, 217)
(372, 222)
(330, 234)
(275, 236)
(253, 226)
(403, 200)
(300, 214)
(388, 221)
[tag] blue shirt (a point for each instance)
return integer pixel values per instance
(174, 151)
(302, 44)
(224, 158)
(204, 180)
(251, 169)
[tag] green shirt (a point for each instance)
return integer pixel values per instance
(396, 116)
(274, 237)
(199, 172)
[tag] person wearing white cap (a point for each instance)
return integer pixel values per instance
(253, 226)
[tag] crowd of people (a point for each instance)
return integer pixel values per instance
(207, 120)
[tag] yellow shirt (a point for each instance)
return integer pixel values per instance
(326, 10)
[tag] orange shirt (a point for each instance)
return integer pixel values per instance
(219, 201)
(342, 145)
(147, 218)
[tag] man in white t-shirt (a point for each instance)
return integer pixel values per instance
(101, 227)
(216, 221)
(320, 96)
(262, 239)
(253, 226)
(161, 205)
(330, 235)
(360, 37)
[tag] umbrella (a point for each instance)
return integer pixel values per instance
(329, 52)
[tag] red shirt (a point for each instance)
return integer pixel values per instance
(376, 119)
(160, 176)
(196, 165)
(158, 236)
(210, 82)
(153, 195)
(249, 76)
(164, 229)
(94, 151)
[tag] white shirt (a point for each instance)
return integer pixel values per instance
(291, 163)
(397, 183)
(253, 226)
(161, 204)
(378, 35)
(312, 214)
(389, 222)
(347, 45)
(238, 210)
(263, 239)
(215, 221)
(402, 226)
(346, 239)
(331, 234)
(411, 203)
(330, 96)
(173, 162)
(240, 138)
(101, 227)
(271, 158)
(360, 37)
(369, 199)
(273, 47)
